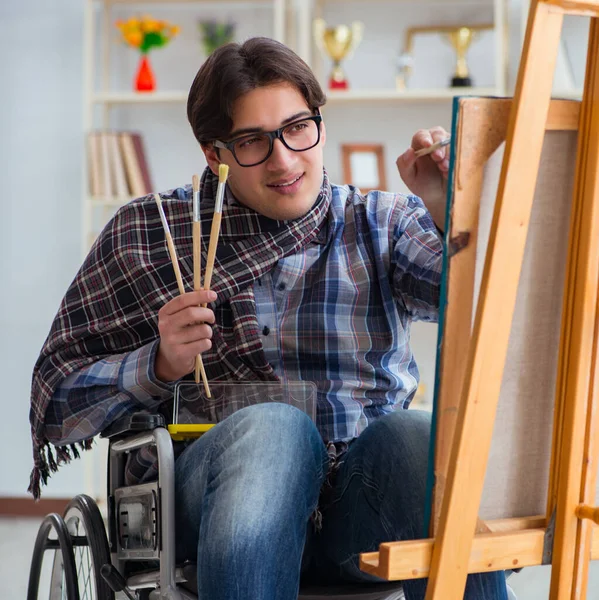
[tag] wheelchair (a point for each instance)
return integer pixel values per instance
(133, 556)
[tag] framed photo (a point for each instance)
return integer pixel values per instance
(364, 166)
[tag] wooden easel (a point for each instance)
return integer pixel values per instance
(567, 541)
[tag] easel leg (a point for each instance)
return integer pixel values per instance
(449, 565)
(579, 448)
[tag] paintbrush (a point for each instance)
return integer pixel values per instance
(173, 254)
(223, 172)
(430, 149)
(200, 372)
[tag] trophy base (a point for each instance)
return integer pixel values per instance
(336, 84)
(461, 82)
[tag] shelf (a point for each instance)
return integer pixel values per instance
(215, 2)
(139, 97)
(426, 2)
(409, 95)
(332, 96)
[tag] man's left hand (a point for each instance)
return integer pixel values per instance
(427, 176)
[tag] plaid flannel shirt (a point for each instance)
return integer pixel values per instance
(337, 313)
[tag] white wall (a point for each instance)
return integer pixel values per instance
(41, 157)
(41, 142)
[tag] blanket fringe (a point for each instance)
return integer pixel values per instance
(44, 462)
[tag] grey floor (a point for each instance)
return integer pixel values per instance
(18, 535)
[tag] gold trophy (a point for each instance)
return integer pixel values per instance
(461, 39)
(338, 42)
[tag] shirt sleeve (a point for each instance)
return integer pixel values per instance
(417, 259)
(90, 399)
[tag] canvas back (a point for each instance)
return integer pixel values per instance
(518, 469)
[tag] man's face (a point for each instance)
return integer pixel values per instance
(286, 185)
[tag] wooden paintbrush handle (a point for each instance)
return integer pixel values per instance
(200, 371)
(173, 253)
(214, 233)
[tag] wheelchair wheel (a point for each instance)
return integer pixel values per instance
(65, 586)
(90, 546)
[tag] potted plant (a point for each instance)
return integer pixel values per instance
(145, 33)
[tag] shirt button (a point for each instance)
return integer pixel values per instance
(265, 331)
(281, 286)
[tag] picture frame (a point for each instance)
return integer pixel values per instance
(364, 166)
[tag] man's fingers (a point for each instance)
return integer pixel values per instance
(422, 139)
(406, 164)
(192, 334)
(191, 315)
(186, 300)
(199, 346)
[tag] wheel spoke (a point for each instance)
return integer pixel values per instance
(63, 585)
(87, 585)
(84, 567)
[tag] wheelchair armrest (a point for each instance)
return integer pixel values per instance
(133, 424)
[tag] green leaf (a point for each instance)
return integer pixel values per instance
(153, 40)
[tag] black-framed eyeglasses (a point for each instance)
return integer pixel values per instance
(255, 148)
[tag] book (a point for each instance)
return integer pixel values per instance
(133, 170)
(118, 167)
(105, 167)
(118, 178)
(94, 166)
(143, 163)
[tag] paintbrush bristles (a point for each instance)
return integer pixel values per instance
(171, 246)
(195, 183)
(158, 201)
(223, 173)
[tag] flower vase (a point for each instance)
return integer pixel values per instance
(144, 79)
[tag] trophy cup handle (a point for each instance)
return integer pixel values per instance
(318, 29)
(357, 30)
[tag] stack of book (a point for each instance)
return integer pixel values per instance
(118, 169)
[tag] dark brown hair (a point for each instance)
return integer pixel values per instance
(235, 69)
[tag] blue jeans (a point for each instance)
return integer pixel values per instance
(246, 490)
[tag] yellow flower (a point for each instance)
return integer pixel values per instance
(134, 38)
(135, 29)
(151, 26)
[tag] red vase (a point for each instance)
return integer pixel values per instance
(145, 80)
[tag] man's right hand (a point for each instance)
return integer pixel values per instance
(184, 333)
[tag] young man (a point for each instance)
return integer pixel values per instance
(313, 282)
